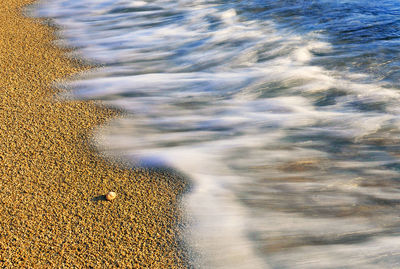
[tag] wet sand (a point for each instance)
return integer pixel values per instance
(52, 181)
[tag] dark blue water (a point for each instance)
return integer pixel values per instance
(284, 114)
(364, 35)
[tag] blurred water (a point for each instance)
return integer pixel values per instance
(285, 114)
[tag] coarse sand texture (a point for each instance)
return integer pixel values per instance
(53, 213)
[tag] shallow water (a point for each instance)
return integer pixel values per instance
(285, 114)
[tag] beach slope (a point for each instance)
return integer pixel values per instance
(52, 182)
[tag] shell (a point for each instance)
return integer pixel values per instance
(111, 196)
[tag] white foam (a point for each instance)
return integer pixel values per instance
(223, 99)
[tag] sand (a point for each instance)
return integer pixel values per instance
(52, 182)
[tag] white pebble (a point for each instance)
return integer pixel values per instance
(111, 196)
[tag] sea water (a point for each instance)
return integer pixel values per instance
(283, 114)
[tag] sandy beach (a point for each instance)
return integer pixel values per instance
(52, 181)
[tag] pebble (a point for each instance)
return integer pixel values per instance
(111, 196)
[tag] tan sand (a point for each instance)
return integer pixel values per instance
(52, 213)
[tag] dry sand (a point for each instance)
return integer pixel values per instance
(52, 212)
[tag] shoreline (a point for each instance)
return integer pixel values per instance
(52, 181)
